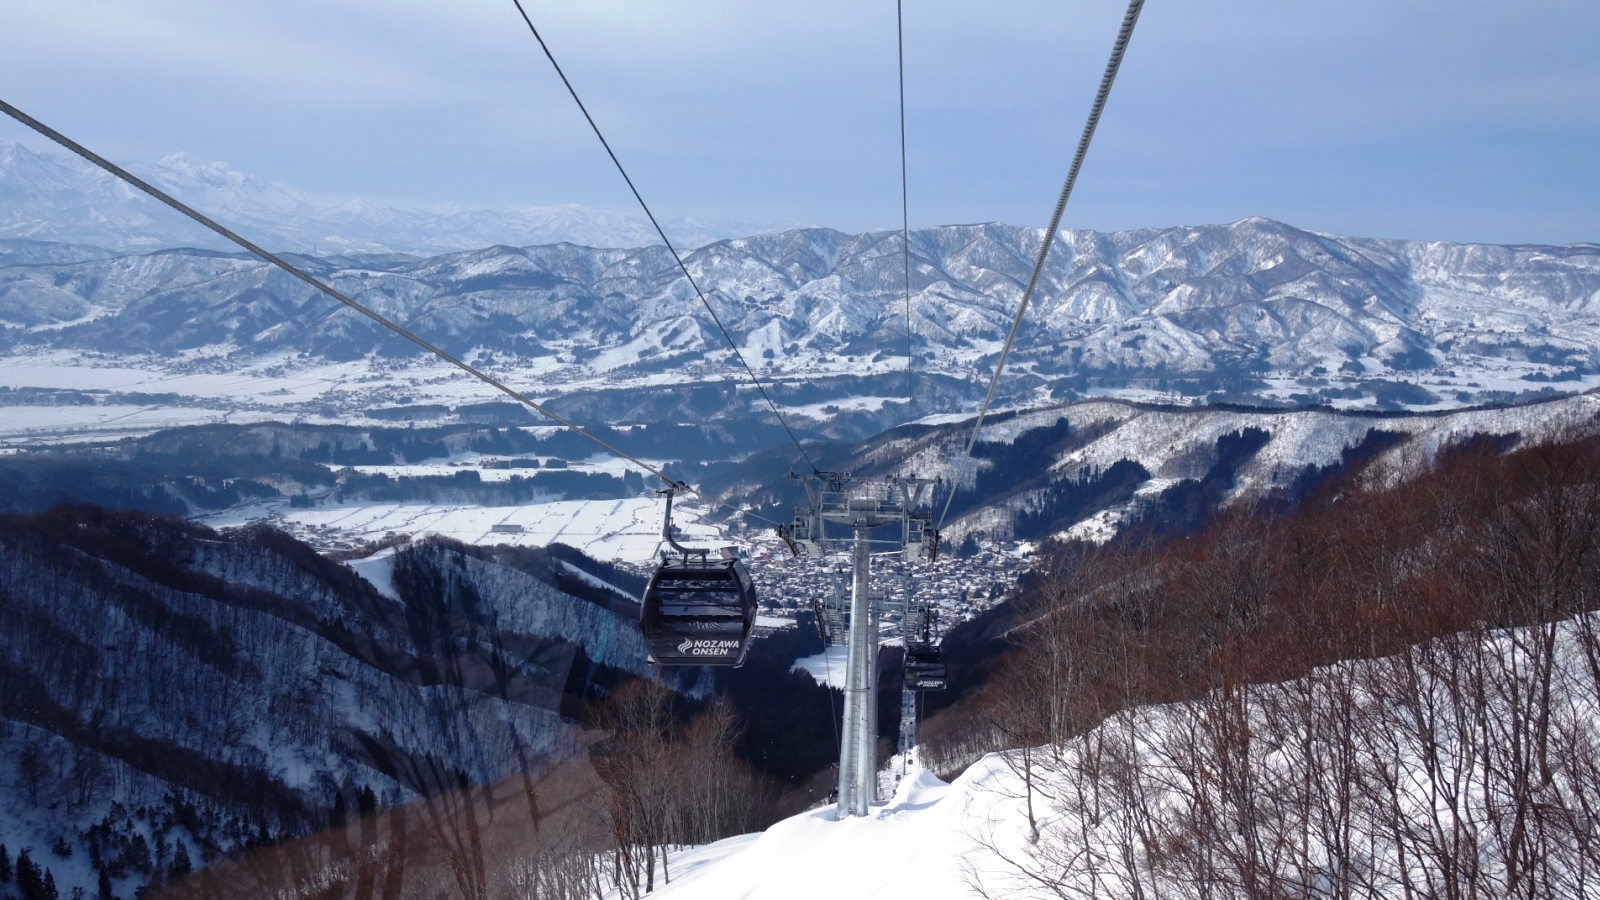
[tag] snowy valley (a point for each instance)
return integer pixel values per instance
(1269, 538)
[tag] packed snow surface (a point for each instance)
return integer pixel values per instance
(917, 845)
(378, 570)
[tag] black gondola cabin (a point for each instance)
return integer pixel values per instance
(924, 667)
(698, 612)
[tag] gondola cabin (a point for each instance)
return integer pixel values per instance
(924, 667)
(698, 612)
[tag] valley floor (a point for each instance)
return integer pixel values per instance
(628, 529)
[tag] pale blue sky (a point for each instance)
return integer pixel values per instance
(1463, 120)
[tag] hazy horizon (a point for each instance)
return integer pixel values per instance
(1466, 121)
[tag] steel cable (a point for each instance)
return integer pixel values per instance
(905, 215)
(670, 249)
(833, 707)
(1112, 65)
(298, 273)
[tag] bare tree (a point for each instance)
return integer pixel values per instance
(89, 774)
(32, 769)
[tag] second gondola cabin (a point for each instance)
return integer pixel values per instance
(924, 667)
(698, 612)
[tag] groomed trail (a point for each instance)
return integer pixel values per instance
(917, 845)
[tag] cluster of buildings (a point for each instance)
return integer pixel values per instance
(956, 589)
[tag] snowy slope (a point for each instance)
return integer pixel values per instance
(1170, 443)
(1174, 443)
(1391, 777)
(912, 847)
(155, 663)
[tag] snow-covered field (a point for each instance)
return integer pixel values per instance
(827, 667)
(598, 464)
(63, 424)
(277, 387)
(627, 530)
(276, 380)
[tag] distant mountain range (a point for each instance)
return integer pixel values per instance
(1255, 311)
(58, 198)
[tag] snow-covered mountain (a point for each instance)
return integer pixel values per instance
(1256, 311)
(1085, 470)
(579, 305)
(54, 197)
(1176, 445)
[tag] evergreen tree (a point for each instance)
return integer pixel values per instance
(138, 854)
(30, 881)
(5, 864)
(366, 801)
(49, 891)
(105, 886)
(181, 865)
(968, 548)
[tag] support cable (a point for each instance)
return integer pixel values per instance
(300, 274)
(1115, 62)
(905, 215)
(833, 708)
(670, 249)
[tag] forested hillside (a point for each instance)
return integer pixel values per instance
(1387, 688)
(175, 697)
(200, 692)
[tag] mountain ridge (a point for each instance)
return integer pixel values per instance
(237, 688)
(1255, 310)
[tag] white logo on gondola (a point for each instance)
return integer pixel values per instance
(692, 647)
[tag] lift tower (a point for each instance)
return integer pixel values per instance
(862, 505)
